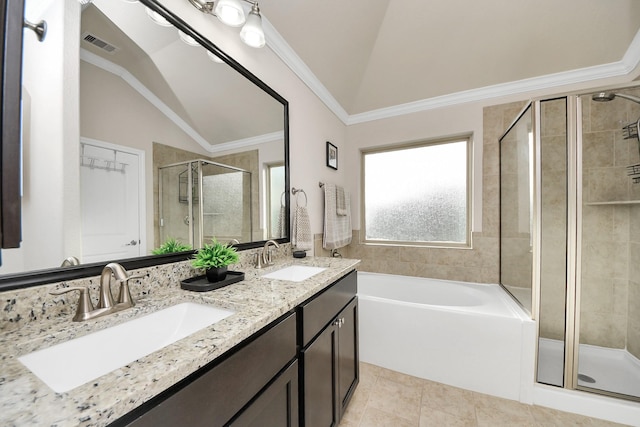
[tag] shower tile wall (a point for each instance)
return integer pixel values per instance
(480, 264)
(610, 237)
(249, 161)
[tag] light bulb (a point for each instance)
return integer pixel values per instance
(215, 58)
(188, 39)
(158, 19)
(252, 33)
(230, 12)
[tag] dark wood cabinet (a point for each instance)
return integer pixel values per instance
(276, 406)
(319, 374)
(348, 360)
(329, 372)
(215, 395)
(300, 370)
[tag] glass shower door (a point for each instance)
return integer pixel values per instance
(175, 191)
(553, 241)
(226, 203)
(516, 209)
(609, 250)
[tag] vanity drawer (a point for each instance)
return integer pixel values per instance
(216, 396)
(316, 313)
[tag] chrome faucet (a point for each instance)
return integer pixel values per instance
(106, 305)
(70, 261)
(266, 252)
(263, 258)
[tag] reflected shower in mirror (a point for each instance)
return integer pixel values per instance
(124, 96)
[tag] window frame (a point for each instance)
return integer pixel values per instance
(468, 138)
(268, 196)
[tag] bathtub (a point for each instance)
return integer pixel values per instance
(472, 336)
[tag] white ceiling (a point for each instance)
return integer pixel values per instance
(377, 54)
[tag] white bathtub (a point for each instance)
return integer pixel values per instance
(467, 335)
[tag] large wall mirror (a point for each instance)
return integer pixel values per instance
(136, 130)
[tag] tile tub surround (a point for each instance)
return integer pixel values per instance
(478, 264)
(25, 400)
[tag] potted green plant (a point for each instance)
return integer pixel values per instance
(214, 259)
(171, 246)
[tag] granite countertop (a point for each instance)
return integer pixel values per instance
(25, 400)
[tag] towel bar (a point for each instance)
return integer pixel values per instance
(295, 191)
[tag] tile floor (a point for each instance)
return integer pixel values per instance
(386, 398)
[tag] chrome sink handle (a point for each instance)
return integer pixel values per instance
(85, 307)
(124, 297)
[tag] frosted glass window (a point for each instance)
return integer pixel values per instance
(418, 194)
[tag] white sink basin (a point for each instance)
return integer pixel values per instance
(294, 273)
(72, 363)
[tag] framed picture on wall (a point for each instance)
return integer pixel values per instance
(332, 156)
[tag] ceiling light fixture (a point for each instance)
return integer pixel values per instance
(188, 39)
(252, 34)
(157, 18)
(231, 12)
(215, 58)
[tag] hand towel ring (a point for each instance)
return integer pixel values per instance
(295, 191)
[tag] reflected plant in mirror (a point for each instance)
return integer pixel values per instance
(128, 97)
(171, 246)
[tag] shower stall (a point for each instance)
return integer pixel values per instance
(570, 236)
(199, 200)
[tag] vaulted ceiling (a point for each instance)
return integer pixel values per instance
(376, 54)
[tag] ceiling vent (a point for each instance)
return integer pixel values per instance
(99, 43)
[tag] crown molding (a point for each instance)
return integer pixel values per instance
(146, 93)
(495, 91)
(280, 47)
(248, 142)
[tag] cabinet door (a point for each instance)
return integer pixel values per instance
(320, 376)
(221, 390)
(277, 406)
(348, 372)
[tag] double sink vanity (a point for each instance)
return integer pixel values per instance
(277, 349)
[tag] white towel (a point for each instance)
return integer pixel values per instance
(341, 204)
(301, 237)
(282, 223)
(337, 228)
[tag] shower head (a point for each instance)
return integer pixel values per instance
(610, 96)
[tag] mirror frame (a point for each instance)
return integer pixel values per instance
(11, 53)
